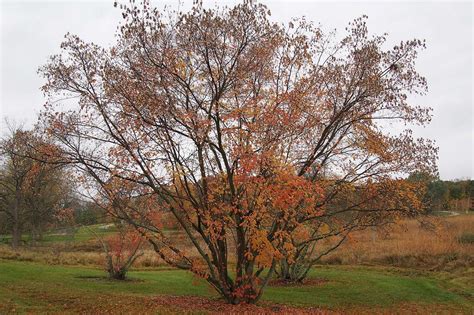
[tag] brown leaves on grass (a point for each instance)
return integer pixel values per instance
(61, 303)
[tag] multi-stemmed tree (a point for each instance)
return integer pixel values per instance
(252, 134)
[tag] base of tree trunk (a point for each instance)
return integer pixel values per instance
(118, 275)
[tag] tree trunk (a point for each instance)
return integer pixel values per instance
(118, 275)
(16, 235)
(32, 240)
(16, 231)
(294, 272)
(284, 273)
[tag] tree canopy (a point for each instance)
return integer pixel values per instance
(250, 133)
(31, 190)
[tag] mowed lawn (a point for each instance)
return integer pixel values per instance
(32, 287)
(83, 233)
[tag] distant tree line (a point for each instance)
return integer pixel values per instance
(445, 195)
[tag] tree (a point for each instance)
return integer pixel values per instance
(88, 213)
(30, 190)
(121, 250)
(247, 132)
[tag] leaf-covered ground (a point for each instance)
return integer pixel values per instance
(36, 288)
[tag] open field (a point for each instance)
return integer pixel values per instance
(81, 234)
(446, 244)
(409, 270)
(32, 287)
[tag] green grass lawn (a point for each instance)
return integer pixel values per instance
(83, 233)
(32, 287)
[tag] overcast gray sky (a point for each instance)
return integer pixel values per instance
(33, 30)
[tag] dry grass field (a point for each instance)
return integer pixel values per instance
(444, 243)
(441, 243)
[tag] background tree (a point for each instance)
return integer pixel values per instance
(443, 195)
(247, 132)
(87, 212)
(31, 191)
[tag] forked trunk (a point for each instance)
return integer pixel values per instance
(294, 272)
(118, 274)
(248, 287)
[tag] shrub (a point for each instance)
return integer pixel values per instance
(121, 251)
(466, 238)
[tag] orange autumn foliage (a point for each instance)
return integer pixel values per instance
(121, 250)
(259, 139)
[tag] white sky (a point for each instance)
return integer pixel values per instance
(33, 30)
